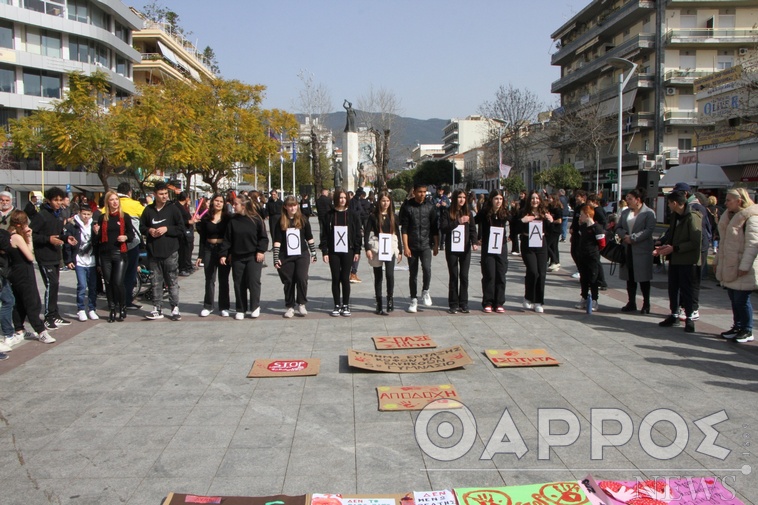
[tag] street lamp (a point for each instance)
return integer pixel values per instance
(622, 64)
(500, 123)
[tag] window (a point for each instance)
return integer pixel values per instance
(7, 80)
(122, 66)
(80, 49)
(724, 62)
(99, 18)
(77, 10)
(6, 115)
(52, 7)
(6, 34)
(685, 144)
(122, 32)
(51, 44)
(33, 40)
(41, 83)
(103, 56)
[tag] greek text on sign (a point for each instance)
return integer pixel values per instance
(535, 233)
(293, 242)
(394, 398)
(495, 246)
(385, 247)
(442, 497)
(520, 358)
(340, 239)
(444, 359)
(458, 238)
(284, 367)
(411, 342)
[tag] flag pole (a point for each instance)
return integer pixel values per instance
(294, 159)
(281, 163)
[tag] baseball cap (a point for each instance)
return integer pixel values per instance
(682, 186)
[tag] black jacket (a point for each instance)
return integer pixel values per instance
(419, 223)
(447, 225)
(373, 226)
(244, 237)
(170, 216)
(44, 225)
(345, 218)
(487, 222)
(74, 229)
(112, 244)
(323, 204)
(274, 209)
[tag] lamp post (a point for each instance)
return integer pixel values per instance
(623, 64)
(500, 123)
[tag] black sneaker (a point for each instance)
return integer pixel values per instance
(346, 311)
(689, 326)
(156, 314)
(744, 336)
(672, 320)
(464, 310)
(337, 311)
(50, 324)
(59, 321)
(133, 306)
(729, 334)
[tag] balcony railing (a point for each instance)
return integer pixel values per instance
(711, 35)
(685, 76)
(680, 117)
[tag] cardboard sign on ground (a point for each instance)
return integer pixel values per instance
(358, 499)
(520, 357)
(558, 493)
(441, 497)
(663, 490)
(444, 359)
(411, 342)
(184, 499)
(394, 398)
(284, 367)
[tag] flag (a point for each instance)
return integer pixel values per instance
(281, 147)
(504, 170)
(294, 151)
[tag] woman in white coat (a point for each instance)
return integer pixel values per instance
(737, 260)
(636, 227)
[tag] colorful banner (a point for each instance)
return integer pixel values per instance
(520, 357)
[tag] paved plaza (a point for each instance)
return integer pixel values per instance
(128, 412)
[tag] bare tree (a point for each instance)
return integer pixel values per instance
(514, 109)
(315, 102)
(378, 110)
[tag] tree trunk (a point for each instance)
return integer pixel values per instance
(102, 173)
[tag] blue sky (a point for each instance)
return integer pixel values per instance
(442, 58)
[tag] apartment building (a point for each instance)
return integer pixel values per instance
(673, 43)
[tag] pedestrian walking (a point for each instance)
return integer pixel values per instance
(591, 242)
(82, 259)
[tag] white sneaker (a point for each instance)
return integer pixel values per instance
(81, 315)
(15, 339)
(224, 313)
(5, 347)
(554, 267)
(93, 315)
(682, 316)
(528, 305)
(205, 313)
(289, 312)
(695, 315)
(175, 314)
(575, 275)
(426, 298)
(239, 316)
(538, 308)
(594, 305)
(256, 313)
(301, 311)
(45, 338)
(581, 304)
(413, 307)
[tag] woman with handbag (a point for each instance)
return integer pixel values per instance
(457, 226)
(382, 229)
(341, 247)
(635, 227)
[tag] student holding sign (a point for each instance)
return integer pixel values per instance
(244, 246)
(382, 243)
(534, 218)
(341, 246)
(294, 251)
(492, 219)
(457, 226)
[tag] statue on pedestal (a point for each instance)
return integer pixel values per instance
(338, 175)
(361, 175)
(350, 124)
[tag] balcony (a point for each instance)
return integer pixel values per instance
(612, 24)
(696, 36)
(680, 118)
(589, 70)
(684, 77)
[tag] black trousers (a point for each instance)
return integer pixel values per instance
(631, 285)
(552, 247)
(425, 256)
(294, 276)
(212, 268)
(457, 288)
(246, 276)
(186, 245)
(340, 265)
(389, 268)
(113, 266)
(28, 305)
(130, 277)
(535, 260)
(494, 268)
(681, 281)
(51, 279)
(589, 270)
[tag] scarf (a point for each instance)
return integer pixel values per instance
(104, 230)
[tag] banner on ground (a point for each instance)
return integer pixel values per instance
(520, 357)
(394, 398)
(284, 367)
(409, 342)
(444, 359)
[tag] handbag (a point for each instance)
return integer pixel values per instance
(613, 251)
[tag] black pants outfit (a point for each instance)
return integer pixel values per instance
(494, 268)
(681, 281)
(535, 260)
(246, 276)
(389, 269)
(589, 271)
(51, 279)
(212, 268)
(458, 264)
(426, 266)
(28, 305)
(294, 276)
(631, 284)
(552, 247)
(340, 265)
(113, 266)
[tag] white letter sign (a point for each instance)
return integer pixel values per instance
(495, 245)
(458, 238)
(385, 247)
(293, 242)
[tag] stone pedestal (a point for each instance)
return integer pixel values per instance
(350, 157)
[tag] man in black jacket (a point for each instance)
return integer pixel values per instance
(162, 224)
(274, 210)
(323, 204)
(48, 238)
(418, 219)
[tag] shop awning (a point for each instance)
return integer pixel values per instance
(750, 173)
(698, 175)
(91, 189)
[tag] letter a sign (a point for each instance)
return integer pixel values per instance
(293, 242)
(495, 245)
(385, 247)
(340, 239)
(535, 234)
(458, 239)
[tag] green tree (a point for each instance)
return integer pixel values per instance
(560, 177)
(436, 172)
(513, 184)
(210, 59)
(79, 130)
(403, 180)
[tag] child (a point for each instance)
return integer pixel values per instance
(591, 242)
(81, 258)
